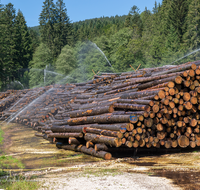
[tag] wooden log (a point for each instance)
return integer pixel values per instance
(130, 106)
(89, 144)
(121, 127)
(117, 134)
(93, 111)
(91, 151)
(178, 69)
(65, 135)
(99, 147)
(122, 89)
(183, 141)
(136, 95)
(111, 141)
(174, 143)
(67, 128)
(156, 82)
(77, 141)
(136, 101)
(99, 119)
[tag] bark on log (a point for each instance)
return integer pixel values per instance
(122, 127)
(99, 119)
(111, 141)
(91, 151)
(65, 135)
(93, 111)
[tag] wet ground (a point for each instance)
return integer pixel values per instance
(37, 154)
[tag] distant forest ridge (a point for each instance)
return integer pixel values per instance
(88, 21)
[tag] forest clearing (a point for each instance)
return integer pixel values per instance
(102, 103)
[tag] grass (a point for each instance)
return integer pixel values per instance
(18, 183)
(8, 162)
(1, 137)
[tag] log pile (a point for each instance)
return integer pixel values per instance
(153, 107)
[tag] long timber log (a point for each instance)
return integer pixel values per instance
(111, 141)
(99, 119)
(93, 111)
(65, 135)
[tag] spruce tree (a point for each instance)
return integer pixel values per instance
(1, 42)
(62, 27)
(47, 21)
(192, 34)
(23, 44)
(9, 66)
(35, 40)
(134, 21)
(177, 16)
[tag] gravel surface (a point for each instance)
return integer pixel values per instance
(128, 181)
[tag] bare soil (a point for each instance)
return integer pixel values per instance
(60, 169)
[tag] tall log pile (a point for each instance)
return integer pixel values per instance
(154, 107)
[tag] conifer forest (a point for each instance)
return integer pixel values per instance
(59, 51)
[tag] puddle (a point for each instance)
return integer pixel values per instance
(188, 180)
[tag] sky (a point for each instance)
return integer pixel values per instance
(79, 10)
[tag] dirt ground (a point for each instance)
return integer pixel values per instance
(60, 169)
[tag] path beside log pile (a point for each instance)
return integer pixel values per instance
(48, 163)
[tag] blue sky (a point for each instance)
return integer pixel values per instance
(81, 9)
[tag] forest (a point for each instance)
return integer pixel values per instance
(58, 51)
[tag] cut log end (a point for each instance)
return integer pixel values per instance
(183, 141)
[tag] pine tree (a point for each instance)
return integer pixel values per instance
(47, 20)
(35, 40)
(192, 35)
(177, 16)
(1, 42)
(23, 44)
(134, 21)
(62, 27)
(8, 45)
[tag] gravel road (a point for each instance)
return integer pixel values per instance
(128, 181)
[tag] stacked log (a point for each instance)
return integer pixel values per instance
(153, 107)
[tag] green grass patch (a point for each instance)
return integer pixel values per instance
(19, 182)
(8, 162)
(1, 137)
(12, 184)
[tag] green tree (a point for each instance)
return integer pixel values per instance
(35, 39)
(1, 42)
(23, 44)
(47, 20)
(41, 59)
(66, 61)
(177, 16)
(192, 35)
(9, 66)
(62, 27)
(119, 55)
(134, 20)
